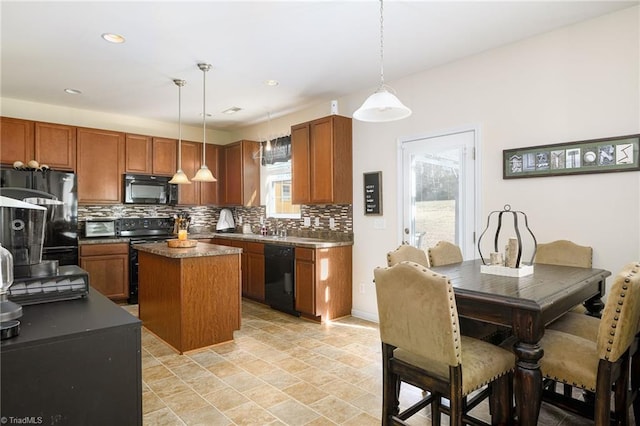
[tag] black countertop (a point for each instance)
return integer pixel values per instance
(67, 319)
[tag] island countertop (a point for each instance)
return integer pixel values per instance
(200, 250)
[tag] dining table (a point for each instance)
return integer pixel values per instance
(526, 304)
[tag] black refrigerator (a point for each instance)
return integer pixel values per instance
(57, 191)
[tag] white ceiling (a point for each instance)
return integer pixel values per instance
(317, 50)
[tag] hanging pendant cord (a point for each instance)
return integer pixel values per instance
(204, 112)
(180, 125)
(381, 45)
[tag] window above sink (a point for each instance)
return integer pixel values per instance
(276, 180)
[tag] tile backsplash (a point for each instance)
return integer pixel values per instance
(205, 217)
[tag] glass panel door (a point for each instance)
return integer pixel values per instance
(439, 196)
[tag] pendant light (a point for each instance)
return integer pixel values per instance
(268, 143)
(382, 105)
(204, 174)
(180, 177)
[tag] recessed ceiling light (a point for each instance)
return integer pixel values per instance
(231, 110)
(271, 82)
(72, 91)
(113, 38)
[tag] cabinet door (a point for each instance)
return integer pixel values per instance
(139, 154)
(255, 271)
(165, 153)
(55, 146)
(232, 175)
(243, 259)
(321, 161)
(100, 166)
(16, 140)
(190, 194)
(209, 190)
(108, 274)
(250, 173)
(305, 281)
(300, 173)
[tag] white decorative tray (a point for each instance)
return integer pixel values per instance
(522, 271)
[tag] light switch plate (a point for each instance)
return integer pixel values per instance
(379, 224)
(332, 223)
(317, 221)
(307, 221)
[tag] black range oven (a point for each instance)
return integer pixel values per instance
(141, 230)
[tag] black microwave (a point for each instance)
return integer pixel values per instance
(148, 189)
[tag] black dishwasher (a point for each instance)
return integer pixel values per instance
(279, 278)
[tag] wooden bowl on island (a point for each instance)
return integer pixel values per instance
(175, 243)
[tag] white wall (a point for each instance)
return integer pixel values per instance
(580, 82)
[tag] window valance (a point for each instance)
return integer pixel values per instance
(280, 151)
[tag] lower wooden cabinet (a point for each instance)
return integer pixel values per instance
(255, 271)
(108, 268)
(323, 282)
(252, 263)
(243, 258)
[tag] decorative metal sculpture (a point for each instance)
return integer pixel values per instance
(507, 209)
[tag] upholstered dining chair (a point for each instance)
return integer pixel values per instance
(598, 361)
(587, 327)
(422, 346)
(565, 253)
(406, 252)
(444, 253)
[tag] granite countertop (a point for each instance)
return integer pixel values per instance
(200, 250)
(270, 239)
(103, 240)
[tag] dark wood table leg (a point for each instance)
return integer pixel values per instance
(528, 382)
(528, 329)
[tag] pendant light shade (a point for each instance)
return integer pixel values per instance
(180, 178)
(204, 174)
(382, 105)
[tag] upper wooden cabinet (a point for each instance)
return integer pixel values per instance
(16, 140)
(198, 192)
(165, 154)
(191, 153)
(55, 145)
(139, 154)
(101, 158)
(47, 143)
(209, 190)
(322, 161)
(240, 174)
(151, 156)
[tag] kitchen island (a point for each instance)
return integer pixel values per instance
(190, 297)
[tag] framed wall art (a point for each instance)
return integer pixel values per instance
(616, 154)
(373, 193)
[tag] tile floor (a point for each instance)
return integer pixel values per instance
(279, 370)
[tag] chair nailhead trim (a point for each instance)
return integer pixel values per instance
(616, 318)
(490, 380)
